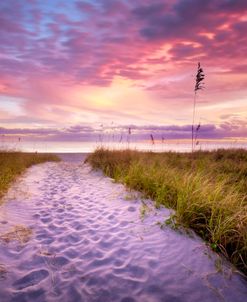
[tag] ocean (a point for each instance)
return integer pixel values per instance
(88, 147)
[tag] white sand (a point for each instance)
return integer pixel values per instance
(91, 243)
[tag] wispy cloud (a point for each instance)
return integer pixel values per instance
(235, 128)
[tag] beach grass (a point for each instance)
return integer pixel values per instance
(13, 164)
(207, 190)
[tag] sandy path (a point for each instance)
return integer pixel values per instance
(90, 242)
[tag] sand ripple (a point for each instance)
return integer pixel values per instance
(91, 242)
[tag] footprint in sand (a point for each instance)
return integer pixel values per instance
(89, 243)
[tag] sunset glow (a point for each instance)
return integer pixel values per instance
(68, 67)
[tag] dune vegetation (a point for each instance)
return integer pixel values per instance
(207, 190)
(13, 164)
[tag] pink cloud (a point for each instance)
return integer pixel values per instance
(47, 52)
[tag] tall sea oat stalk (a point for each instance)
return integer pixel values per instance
(198, 86)
(101, 134)
(128, 137)
(162, 140)
(196, 142)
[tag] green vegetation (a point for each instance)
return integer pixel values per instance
(207, 190)
(14, 163)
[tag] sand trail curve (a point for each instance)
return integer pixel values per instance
(92, 240)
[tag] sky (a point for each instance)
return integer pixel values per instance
(72, 70)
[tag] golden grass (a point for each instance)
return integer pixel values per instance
(208, 191)
(13, 164)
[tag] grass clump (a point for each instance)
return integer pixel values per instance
(13, 164)
(17, 233)
(206, 189)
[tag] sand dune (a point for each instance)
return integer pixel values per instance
(89, 239)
